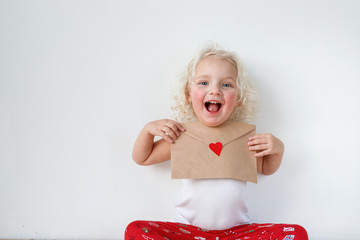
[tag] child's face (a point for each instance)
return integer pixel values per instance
(213, 91)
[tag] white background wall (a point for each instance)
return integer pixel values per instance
(79, 79)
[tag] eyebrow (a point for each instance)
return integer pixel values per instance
(205, 76)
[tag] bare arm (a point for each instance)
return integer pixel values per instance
(269, 152)
(148, 152)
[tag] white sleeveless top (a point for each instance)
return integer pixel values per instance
(213, 204)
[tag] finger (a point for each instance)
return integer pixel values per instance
(258, 141)
(174, 128)
(169, 132)
(259, 135)
(259, 147)
(166, 137)
(180, 127)
(261, 154)
(177, 125)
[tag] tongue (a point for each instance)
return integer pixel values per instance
(213, 107)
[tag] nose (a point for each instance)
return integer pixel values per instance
(215, 90)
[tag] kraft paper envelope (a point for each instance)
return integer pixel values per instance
(214, 152)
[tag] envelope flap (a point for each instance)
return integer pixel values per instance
(224, 133)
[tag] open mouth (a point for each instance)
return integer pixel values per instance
(212, 106)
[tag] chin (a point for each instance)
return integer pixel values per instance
(212, 122)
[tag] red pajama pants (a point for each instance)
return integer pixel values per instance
(154, 230)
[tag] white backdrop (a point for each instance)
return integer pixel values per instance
(79, 79)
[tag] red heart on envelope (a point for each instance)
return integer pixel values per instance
(216, 147)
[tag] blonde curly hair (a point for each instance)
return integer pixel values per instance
(247, 97)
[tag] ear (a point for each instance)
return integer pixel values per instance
(238, 102)
(188, 97)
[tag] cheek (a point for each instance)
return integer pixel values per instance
(231, 97)
(196, 96)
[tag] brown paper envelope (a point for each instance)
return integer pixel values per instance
(197, 152)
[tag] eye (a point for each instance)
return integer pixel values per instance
(203, 83)
(226, 85)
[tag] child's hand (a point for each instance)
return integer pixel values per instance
(265, 144)
(148, 152)
(169, 130)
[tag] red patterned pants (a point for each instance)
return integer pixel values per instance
(154, 230)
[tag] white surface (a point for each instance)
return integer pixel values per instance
(78, 80)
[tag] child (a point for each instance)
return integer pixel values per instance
(215, 88)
